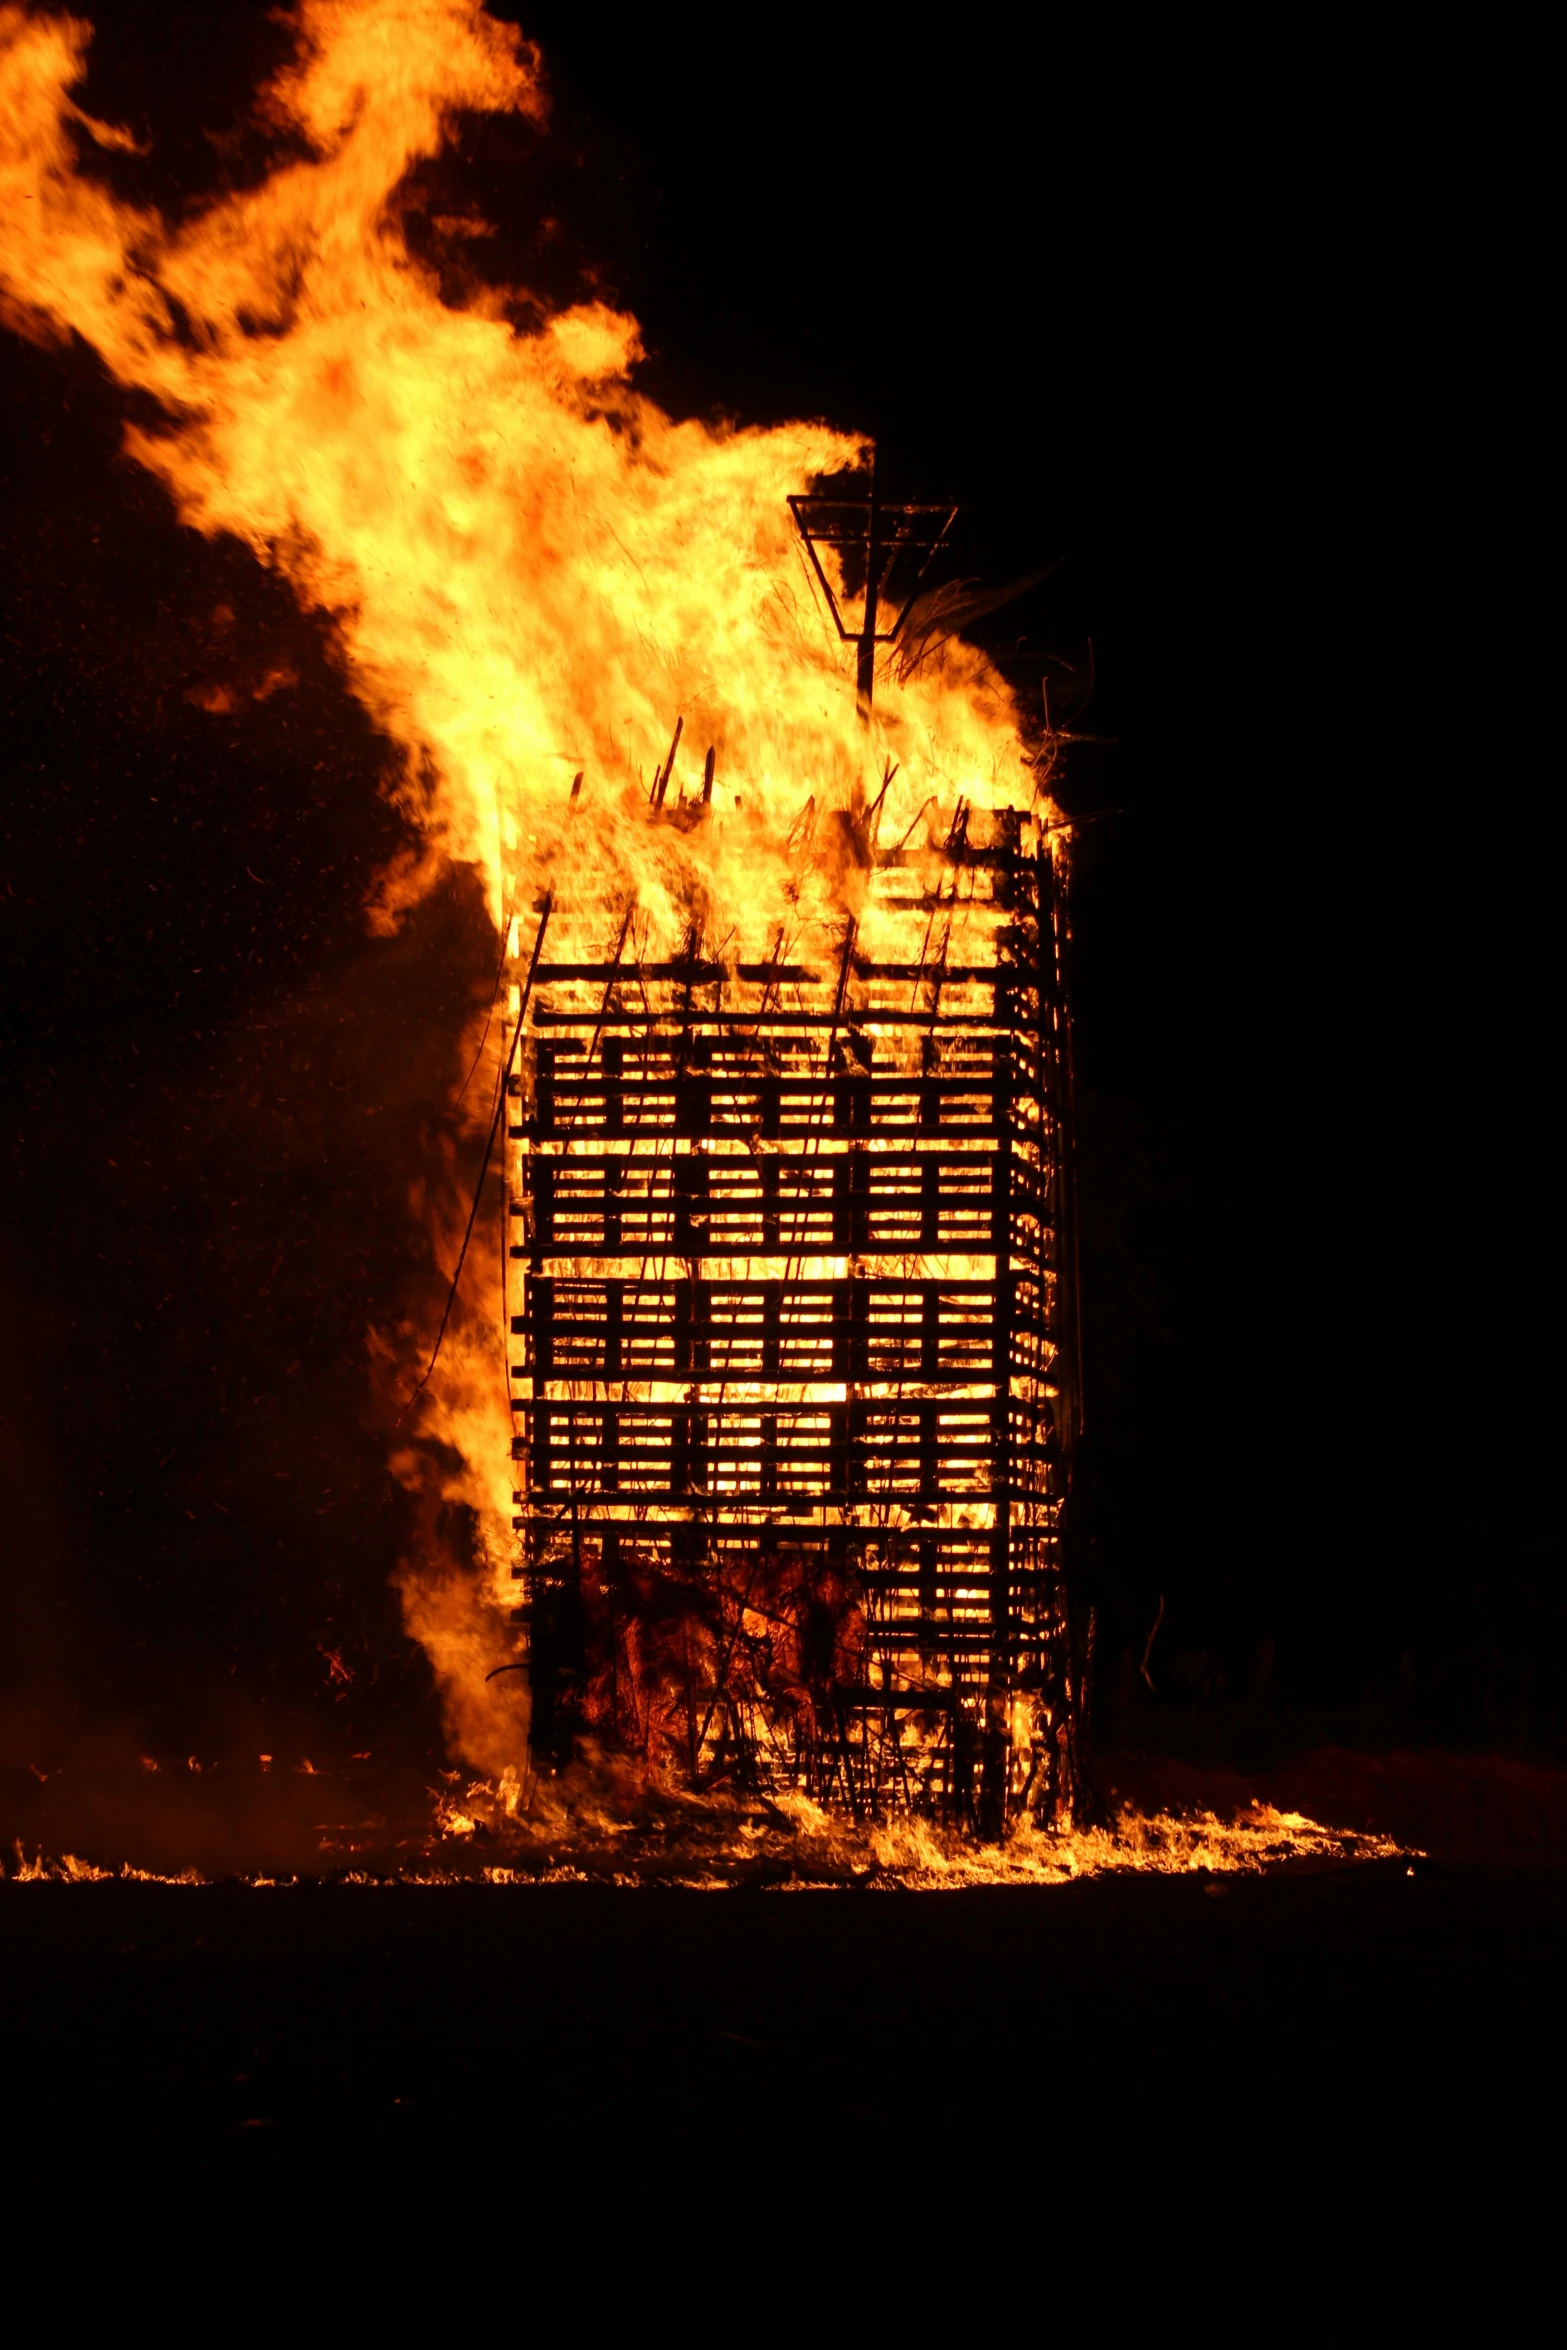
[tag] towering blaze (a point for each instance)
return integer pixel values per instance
(789, 1307)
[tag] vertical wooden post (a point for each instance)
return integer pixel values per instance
(865, 672)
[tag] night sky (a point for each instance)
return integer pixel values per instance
(1234, 320)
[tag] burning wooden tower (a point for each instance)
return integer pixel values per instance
(794, 1343)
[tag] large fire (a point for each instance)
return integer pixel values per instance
(531, 571)
(534, 579)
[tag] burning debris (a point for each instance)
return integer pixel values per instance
(708, 1848)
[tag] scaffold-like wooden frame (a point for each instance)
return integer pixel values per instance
(794, 1350)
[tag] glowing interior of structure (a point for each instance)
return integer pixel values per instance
(791, 1315)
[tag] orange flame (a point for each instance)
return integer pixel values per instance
(530, 570)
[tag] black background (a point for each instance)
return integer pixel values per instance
(1235, 318)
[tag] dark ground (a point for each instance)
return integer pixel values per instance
(1314, 2107)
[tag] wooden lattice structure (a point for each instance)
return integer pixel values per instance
(793, 1354)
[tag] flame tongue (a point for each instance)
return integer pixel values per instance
(531, 567)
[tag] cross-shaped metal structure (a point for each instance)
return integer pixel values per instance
(878, 532)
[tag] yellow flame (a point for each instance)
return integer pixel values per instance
(532, 568)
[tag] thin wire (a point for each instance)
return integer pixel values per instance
(484, 1163)
(495, 997)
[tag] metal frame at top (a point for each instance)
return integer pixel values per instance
(882, 531)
